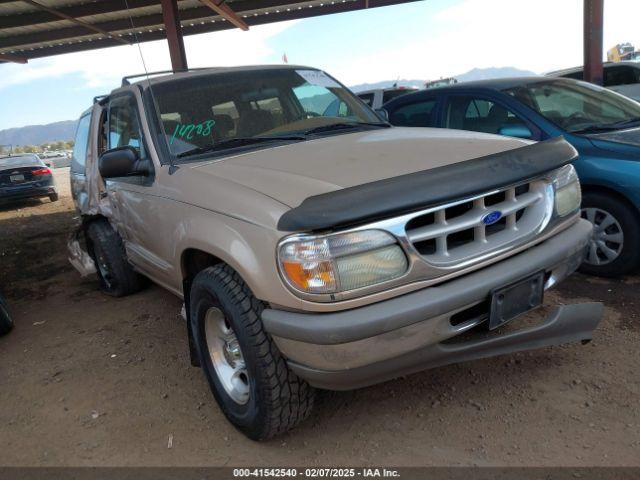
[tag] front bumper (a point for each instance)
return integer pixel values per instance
(367, 345)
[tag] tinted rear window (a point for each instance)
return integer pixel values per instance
(21, 161)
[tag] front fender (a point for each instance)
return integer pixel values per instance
(248, 248)
(622, 176)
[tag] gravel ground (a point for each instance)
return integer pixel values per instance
(90, 380)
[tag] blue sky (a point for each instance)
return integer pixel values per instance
(420, 40)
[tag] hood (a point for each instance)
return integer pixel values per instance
(619, 141)
(294, 172)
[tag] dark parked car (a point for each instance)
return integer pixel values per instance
(25, 176)
(6, 324)
(602, 125)
(622, 77)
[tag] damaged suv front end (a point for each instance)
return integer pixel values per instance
(478, 261)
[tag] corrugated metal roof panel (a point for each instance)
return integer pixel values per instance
(27, 31)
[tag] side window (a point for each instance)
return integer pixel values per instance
(420, 114)
(124, 124)
(367, 98)
(79, 156)
(619, 75)
(480, 115)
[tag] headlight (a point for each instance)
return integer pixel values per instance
(568, 193)
(340, 262)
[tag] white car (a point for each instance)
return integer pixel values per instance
(622, 77)
(379, 96)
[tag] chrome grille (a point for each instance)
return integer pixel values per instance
(456, 233)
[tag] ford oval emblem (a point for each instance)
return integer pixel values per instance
(492, 217)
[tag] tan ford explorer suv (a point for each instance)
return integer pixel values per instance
(314, 245)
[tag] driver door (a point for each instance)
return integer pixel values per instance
(136, 208)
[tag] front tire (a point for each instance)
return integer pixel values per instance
(53, 197)
(613, 250)
(248, 376)
(6, 323)
(115, 274)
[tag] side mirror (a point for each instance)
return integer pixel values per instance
(382, 113)
(122, 162)
(518, 131)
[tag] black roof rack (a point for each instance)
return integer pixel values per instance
(125, 80)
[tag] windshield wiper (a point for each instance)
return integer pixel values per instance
(596, 129)
(344, 126)
(608, 127)
(238, 142)
(626, 123)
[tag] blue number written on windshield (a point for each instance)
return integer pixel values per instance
(188, 130)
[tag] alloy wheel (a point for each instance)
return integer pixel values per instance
(226, 356)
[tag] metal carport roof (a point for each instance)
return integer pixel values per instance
(39, 28)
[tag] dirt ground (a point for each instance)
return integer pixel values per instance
(90, 380)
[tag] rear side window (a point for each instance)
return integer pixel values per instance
(620, 75)
(79, 157)
(420, 114)
(480, 115)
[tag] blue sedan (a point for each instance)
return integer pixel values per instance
(602, 125)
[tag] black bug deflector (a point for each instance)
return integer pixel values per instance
(427, 188)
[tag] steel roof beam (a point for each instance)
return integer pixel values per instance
(12, 59)
(222, 9)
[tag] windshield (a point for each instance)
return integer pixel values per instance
(578, 106)
(201, 111)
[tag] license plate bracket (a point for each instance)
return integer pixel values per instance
(511, 301)
(16, 178)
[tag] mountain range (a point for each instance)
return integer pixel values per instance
(471, 75)
(38, 134)
(65, 130)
